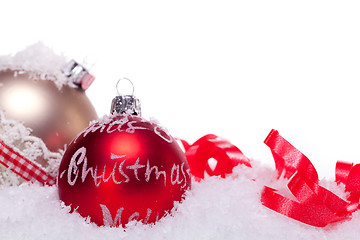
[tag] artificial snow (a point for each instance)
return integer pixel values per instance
(215, 208)
(14, 134)
(40, 61)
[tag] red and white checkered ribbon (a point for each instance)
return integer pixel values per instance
(23, 166)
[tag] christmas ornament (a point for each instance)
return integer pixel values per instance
(123, 168)
(42, 107)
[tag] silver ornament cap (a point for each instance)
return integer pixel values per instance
(126, 103)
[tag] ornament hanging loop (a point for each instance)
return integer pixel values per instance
(129, 81)
(125, 103)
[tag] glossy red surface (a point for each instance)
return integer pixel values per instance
(121, 170)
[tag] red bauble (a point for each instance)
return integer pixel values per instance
(123, 168)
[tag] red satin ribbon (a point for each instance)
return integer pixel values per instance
(312, 204)
(349, 175)
(209, 146)
(315, 205)
(288, 159)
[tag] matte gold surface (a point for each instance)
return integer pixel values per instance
(56, 116)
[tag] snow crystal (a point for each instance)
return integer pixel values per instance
(215, 208)
(40, 62)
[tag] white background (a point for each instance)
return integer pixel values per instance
(233, 68)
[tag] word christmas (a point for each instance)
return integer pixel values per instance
(79, 167)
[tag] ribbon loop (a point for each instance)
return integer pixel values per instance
(288, 159)
(316, 215)
(209, 146)
(315, 205)
(342, 171)
(353, 184)
(349, 175)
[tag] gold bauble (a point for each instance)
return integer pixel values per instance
(55, 115)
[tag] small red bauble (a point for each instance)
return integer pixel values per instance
(123, 168)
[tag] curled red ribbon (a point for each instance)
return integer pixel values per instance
(312, 204)
(315, 205)
(349, 175)
(210, 146)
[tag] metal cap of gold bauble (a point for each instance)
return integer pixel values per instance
(126, 103)
(78, 74)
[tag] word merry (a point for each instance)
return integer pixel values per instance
(78, 170)
(124, 124)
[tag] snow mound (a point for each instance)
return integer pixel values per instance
(40, 61)
(213, 209)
